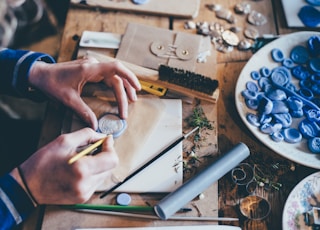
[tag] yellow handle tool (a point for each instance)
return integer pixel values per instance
(152, 88)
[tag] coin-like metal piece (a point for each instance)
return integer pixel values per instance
(235, 29)
(256, 18)
(242, 8)
(251, 33)
(214, 7)
(223, 13)
(190, 25)
(111, 123)
(230, 38)
(244, 44)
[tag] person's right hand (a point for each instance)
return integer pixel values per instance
(52, 180)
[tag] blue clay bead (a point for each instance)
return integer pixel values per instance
(265, 72)
(314, 144)
(255, 75)
(314, 64)
(280, 76)
(287, 62)
(265, 105)
(277, 137)
(309, 129)
(252, 86)
(291, 135)
(309, 16)
(253, 119)
(277, 55)
(252, 104)
(300, 72)
(277, 94)
(314, 45)
(299, 54)
(279, 107)
(284, 118)
(294, 103)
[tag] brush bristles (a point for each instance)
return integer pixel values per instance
(187, 79)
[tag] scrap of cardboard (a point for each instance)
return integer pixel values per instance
(150, 46)
(152, 124)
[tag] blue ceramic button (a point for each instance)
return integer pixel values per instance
(255, 75)
(294, 103)
(314, 45)
(291, 135)
(265, 105)
(280, 76)
(247, 94)
(300, 72)
(265, 118)
(284, 118)
(314, 144)
(277, 55)
(280, 107)
(252, 86)
(265, 84)
(287, 62)
(299, 54)
(252, 103)
(277, 137)
(314, 64)
(253, 119)
(265, 72)
(309, 129)
(306, 93)
(276, 95)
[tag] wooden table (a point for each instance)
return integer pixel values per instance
(230, 129)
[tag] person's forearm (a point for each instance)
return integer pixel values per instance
(15, 66)
(15, 204)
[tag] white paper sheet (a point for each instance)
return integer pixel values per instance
(166, 173)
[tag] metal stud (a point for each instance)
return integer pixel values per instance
(256, 18)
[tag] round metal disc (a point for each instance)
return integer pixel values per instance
(111, 124)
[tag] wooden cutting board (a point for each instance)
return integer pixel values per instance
(176, 8)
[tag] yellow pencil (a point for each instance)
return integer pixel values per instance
(86, 151)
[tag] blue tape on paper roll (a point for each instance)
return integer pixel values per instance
(175, 200)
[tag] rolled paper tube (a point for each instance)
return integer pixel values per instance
(175, 200)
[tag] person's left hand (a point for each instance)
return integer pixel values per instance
(65, 81)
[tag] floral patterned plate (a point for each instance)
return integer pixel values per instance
(302, 198)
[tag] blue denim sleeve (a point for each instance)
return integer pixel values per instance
(15, 66)
(15, 205)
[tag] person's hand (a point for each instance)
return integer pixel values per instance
(64, 82)
(52, 180)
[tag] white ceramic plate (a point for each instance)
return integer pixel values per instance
(297, 152)
(302, 198)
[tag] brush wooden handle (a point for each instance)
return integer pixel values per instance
(152, 76)
(141, 72)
